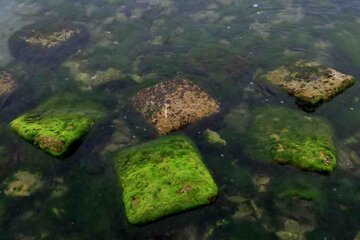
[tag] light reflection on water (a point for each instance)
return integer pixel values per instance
(222, 45)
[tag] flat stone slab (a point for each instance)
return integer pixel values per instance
(174, 104)
(310, 82)
(289, 137)
(57, 124)
(163, 177)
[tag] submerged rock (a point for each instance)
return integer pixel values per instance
(7, 84)
(286, 136)
(174, 104)
(213, 137)
(293, 230)
(310, 82)
(163, 177)
(47, 44)
(261, 182)
(22, 184)
(120, 138)
(57, 124)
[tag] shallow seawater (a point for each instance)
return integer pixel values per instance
(223, 46)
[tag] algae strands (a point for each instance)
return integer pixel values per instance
(163, 177)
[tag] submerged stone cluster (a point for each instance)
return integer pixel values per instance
(163, 177)
(57, 124)
(310, 82)
(174, 104)
(288, 137)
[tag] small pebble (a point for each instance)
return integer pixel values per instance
(351, 109)
(255, 5)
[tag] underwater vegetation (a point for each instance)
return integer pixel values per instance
(45, 44)
(57, 124)
(162, 177)
(174, 104)
(289, 137)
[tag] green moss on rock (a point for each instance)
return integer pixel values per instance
(163, 177)
(58, 123)
(289, 137)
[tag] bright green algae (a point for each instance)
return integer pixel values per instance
(289, 137)
(163, 177)
(58, 123)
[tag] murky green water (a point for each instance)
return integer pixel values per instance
(222, 46)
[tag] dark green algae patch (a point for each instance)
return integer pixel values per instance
(290, 137)
(58, 124)
(163, 177)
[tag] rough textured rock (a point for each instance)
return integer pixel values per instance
(163, 177)
(289, 137)
(174, 104)
(310, 82)
(58, 123)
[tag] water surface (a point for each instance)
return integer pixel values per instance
(221, 45)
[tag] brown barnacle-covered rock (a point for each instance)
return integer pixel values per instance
(7, 84)
(310, 82)
(174, 104)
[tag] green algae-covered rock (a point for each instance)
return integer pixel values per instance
(289, 137)
(163, 177)
(58, 123)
